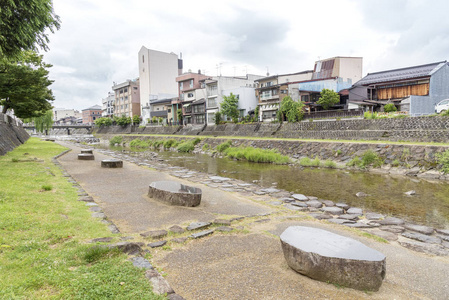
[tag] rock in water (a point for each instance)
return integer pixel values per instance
(329, 257)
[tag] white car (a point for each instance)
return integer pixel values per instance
(442, 106)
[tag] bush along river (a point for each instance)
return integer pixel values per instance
(384, 194)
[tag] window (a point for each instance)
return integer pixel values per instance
(181, 85)
(199, 119)
(189, 95)
(198, 108)
(134, 87)
(305, 98)
(212, 102)
(143, 58)
(191, 83)
(125, 90)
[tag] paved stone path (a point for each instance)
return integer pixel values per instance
(242, 259)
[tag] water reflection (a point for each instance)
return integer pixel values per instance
(430, 206)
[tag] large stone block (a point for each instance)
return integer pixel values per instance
(175, 193)
(329, 257)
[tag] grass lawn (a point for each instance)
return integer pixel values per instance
(45, 233)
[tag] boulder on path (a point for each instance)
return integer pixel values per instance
(329, 257)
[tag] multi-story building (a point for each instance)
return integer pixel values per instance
(337, 74)
(108, 105)
(219, 86)
(127, 98)
(271, 90)
(191, 98)
(91, 114)
(157, 72)
(62, 113)
(162, 108)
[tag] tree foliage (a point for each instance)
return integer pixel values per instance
(24, 25)
(44, 122)
(290, 110)
(328, 98)
(230, 106)
(217, 118)
(103, 121)
(24, 85)
(390, 107)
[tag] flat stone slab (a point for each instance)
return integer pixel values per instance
(88, 151)
(155, 234)
(329, 257)
(314, 203)
(112, 163)
(391, 221)
(355, 211)
(300, 197)
(175, 193)
(422, 237)
(201, 234)
(157, 244)
(419, 228)
(333, 210)
(198, 225)
(141, 263)
(86, 156)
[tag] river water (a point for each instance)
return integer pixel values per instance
(430, 205)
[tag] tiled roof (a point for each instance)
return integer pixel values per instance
(399, 74)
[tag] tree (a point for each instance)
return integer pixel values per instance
(290, 110)
(229, 106)
(24, 85)
(328, 98)
(23, 25)
(44, 122)
(136, 120)
(217, 118)
(179, 115)
(390, 107)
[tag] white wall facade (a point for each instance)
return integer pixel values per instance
(157, 73)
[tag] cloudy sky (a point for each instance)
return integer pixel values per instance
(99, 39)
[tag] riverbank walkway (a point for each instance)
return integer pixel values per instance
(247, 262)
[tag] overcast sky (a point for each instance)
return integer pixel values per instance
(99, 39)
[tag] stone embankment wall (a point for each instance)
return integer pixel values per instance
(417, 129)
(12, 134)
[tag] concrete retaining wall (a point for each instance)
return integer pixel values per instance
(417, 129)
(11, 134)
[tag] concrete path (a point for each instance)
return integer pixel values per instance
(246, 263)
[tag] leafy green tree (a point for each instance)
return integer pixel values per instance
(24, 25)
(24, 85)
(44, 122)
(390, 107)
(136, 120)
(103, 121)
(328, 98)
(229, 106)
(217, 118)
(256, 113)
(179, 115)
(290, 110)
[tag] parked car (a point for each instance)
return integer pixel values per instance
(442, 106)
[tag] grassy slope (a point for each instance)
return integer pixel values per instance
(43, 236)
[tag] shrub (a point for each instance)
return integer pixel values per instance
(307, 162)
(445, 113)
(47, 187)
(170, 143)
(123, 120)
(443, 159)
(395, 163)
(116, 140)
(186, 146)
(390, 107)
(136, 143)
(136, 120)
(330, 164)
(196, 141)
(256, 155)
(217, 118)
(355, 162)
(206, 147)
(157, 144)
(223, 146)
(371, 158)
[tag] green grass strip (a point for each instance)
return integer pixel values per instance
(256, 155)
(44, 234)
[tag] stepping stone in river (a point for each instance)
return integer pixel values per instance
(329, 257)
(198, 225)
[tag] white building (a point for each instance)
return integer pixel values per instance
(157, 73)
(218, 86)
(108, 105)
(61, 113)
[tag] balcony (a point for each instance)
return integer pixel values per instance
(267, 97)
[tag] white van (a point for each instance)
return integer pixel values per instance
(442, 106)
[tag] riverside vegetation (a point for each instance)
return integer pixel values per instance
(369, 159)
(44, 241)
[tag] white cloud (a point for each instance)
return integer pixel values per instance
(99, 40)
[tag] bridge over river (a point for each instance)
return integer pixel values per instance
(66, 129)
